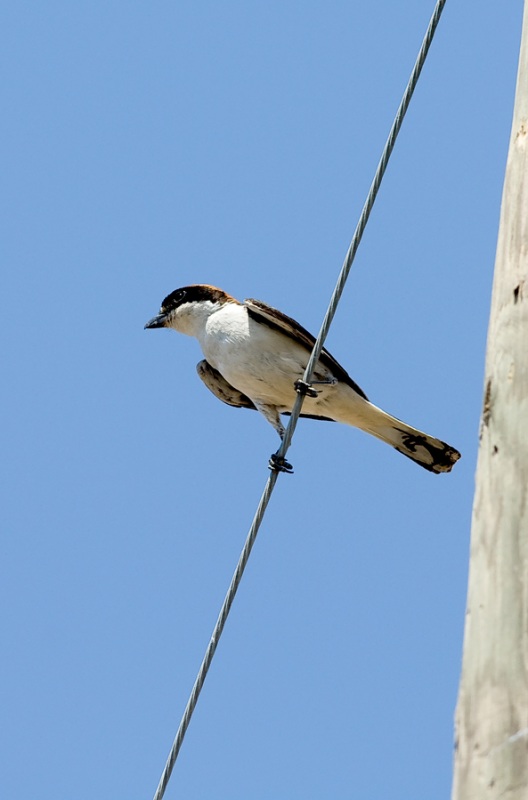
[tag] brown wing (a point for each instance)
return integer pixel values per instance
(222, 389)
(217, 384)
(268, 315)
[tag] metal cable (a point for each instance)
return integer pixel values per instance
(217, 632)
(270, 484)
(365, 214)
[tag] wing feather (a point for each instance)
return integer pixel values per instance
(222, 389)
(274, 318)
(217, 384)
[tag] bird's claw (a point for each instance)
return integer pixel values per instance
(305, 389)
(279, 464)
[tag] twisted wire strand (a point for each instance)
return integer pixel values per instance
(316, 352)
(217, 632)
(362, 223)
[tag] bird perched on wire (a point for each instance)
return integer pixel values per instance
(255, 357)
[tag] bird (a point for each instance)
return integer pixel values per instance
(255, 357)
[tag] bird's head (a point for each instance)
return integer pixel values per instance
(186, 309)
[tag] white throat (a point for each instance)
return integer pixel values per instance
(191, 318)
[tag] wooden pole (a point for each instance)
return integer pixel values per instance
(491, 756)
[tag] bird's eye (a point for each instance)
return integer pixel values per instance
(173, 300)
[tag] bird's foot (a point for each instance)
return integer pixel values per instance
(279, 464)
(305, 389)
(327, 381)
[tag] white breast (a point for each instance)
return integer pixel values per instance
(258, 360)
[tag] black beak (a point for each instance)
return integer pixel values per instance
(157, 322)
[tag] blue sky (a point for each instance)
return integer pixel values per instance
(147, 146)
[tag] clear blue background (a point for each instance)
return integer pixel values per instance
(151, 145)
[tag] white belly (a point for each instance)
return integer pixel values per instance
(256, 359)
